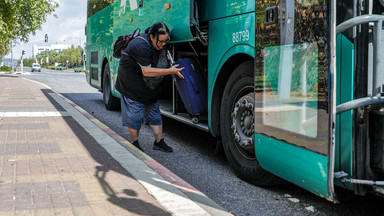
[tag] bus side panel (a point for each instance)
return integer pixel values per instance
(131, 16)
(99, 38)
(101, 25)
(228, 37)
(114, 66)
(305, 164)
(215, 9)
(345, 62)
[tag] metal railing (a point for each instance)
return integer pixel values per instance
(378, 61)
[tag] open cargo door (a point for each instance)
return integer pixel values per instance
(294, 72)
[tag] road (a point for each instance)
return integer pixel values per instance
(194, 161)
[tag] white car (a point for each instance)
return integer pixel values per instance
(36, 67)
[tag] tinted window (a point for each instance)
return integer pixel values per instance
(95, 6)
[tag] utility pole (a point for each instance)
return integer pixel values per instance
(46, 41)
(12, 55)
(22, 53)
(84, 59)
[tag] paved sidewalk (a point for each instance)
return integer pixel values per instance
(56, 159)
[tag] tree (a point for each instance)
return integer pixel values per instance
(27, 62)
(19, 19)
(73, 55)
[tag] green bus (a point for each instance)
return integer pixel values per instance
(294, 90)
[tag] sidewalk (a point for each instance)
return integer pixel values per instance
(56, 159)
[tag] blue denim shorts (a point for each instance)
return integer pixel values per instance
(132, 113)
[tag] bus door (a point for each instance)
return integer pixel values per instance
(293, 94)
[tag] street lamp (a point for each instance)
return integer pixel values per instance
(22, 53)
(12, 55)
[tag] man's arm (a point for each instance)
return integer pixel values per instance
(154, 72)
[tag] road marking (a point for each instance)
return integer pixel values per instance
(310, 208)
(32, 114)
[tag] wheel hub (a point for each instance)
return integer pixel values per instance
(243, 122)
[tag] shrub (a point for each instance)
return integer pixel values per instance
(5, 68)
(78, 69)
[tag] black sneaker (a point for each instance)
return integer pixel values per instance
(137, 145)
(162, 146)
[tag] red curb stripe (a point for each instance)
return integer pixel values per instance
(89, 116)
(118, 138)
(171, 177)
(108, 130)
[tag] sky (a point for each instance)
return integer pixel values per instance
(68, 28)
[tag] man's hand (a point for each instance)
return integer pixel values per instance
(175, 70)
(154, 72)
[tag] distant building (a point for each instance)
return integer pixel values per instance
(56, 47)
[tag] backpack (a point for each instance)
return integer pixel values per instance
(122, 42)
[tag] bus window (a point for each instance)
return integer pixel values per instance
(291, 101)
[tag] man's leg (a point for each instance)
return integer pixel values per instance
(134, 134)
(156, 124)
(132, 114)
(135, 137)
(153, 116)
(159, 143)
(157, 131)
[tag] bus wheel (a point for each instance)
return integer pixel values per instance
(237, 127)
(111, 102)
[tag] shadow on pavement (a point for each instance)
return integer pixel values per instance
(129, 203)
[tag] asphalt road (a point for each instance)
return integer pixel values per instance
(194, 161)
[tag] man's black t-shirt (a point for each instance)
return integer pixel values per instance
(141, 53)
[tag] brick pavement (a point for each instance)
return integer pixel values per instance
(50, 165)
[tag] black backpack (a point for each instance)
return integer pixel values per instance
(122, 42)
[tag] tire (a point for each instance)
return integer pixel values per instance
(111, 102)
(237, 129)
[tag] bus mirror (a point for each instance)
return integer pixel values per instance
(270, 15)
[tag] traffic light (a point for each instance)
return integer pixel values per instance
(23, 52)
(46, 38)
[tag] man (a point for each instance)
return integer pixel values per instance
(141, 69)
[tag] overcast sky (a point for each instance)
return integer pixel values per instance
(68, 28)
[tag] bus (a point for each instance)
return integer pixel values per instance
(294, 86)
